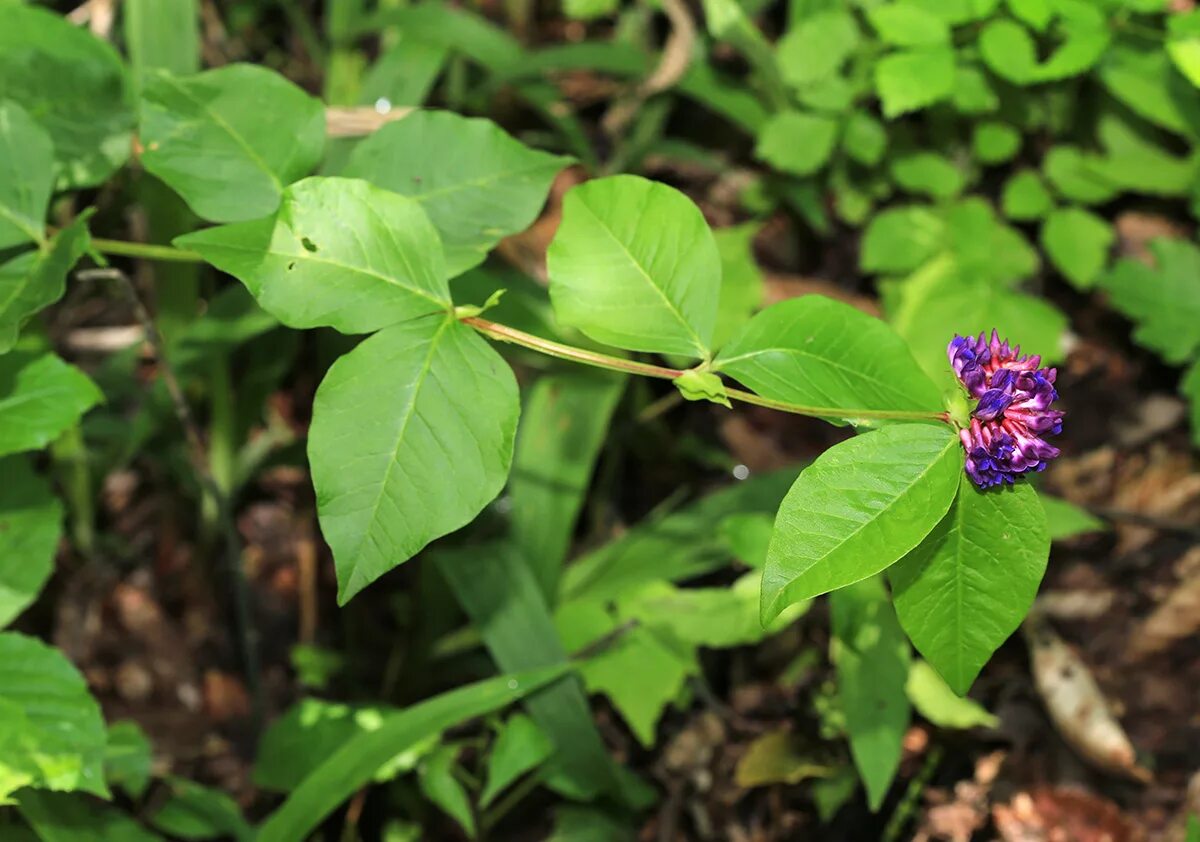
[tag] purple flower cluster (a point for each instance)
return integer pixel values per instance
(1005, 436)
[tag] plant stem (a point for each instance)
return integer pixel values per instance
(147, 251)
(71, 459)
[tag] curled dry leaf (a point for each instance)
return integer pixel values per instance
(1075, 703)
(1176, 618)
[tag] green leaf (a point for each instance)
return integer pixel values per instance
(1183, 44)
(994, 142)
(162, 34)
(927, 172)
(26, 177)
(742, 285)
(1077, 243)
(864, 139)
(935, 701)
(1134, 160)
(1008, 51)
(63, 817)
(520, 746)
(438, 784)
(912, 79)
(51, 731)
(816, 351)
(1025, 197)
(908, 25)
(354, 763)
(1067, 520)
(589, 9)
(901, 239)
(635, 265)
(477, 184)
(75, 86)
(858, 508)
(1077, 177)
(697, 385)
(1144, 81)
(192, 811)
(40, 397)
(1037, 14)
(872, 660)
(1163, 300)
(34, 280)
(229, 140)
(127, 758)
(985, 248)
(797, 142)
(339, 252)
(974, 91)
(30, 527)
(966, 588)
(778, 757)
(563, 426)
(816, 48)
(412, 435)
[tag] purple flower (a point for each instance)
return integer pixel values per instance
(1012, 413)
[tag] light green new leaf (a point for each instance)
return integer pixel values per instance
(339, 252)
(1025, 197)
(1036, 13)
(40, 396)
(635, 265)
(26, 177)
(911, 79)
(477, 183)
(51, 732)
(797, 142)
(908, 25)
(864, 138)
(356, 761)
(520, 746)
(75, 86)
(229, 140)
(65, 817)
(695, 385)
(817, 46)
(935, 701)
(927, 172)
(1077, 242)
(1144, 80)
(1183, 44)
(412, 435)
(858, 508)
(35, 279)
(902, 238)
(1066, 520)
(872, 661)
(30, 526)
(816, 351)
(1008, 51)
(741, 280)
(994, 142)
(1164, 300)
(966, 588)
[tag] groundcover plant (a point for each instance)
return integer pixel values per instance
(336, 301)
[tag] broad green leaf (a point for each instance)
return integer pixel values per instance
(966, 588)
(192, 811)
(229, 140)
(1084, 44)
(439, 785)
(354, 763)
(858, 508)
(30, 527)
(66, 817)
(816, 351)
(927, 172)
(35, 279)
(74, 85)
(412, 435)
(127, 758)
(1066, 520)
(1025, 197)
(902, 238)
(477, 184)
(985, 248)
(1163, 300)
(797, 142)
(872, 661)
(994, 142)
(1008, 51)
(162, 34)
(741, 280)
(231, 319)
(908, 25)
(497, 590)
(51, 731)
(935, 701)
(1077, 177)
(1144, 80)
(864, 139)
(1183, 44)
(339, 252)
(635, 265)
(912, 79)
(974, 91)
(520, 746)
(563, 425)
(26, 177)
(40, 397)
(816, 47)
(1134, 160)
(1036, 13)
(1077, 243)
(1190, 388)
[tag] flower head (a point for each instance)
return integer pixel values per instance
(1012, 413)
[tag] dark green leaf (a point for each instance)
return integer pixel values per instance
(520, 746)
(162, 35)
(40, 397)
(439, 785)
(35, 279)
(66, 817)
(127, 758)
(30, 527)
(192, 811)
(26, 177)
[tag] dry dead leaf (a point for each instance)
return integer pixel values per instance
(1176, 618)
